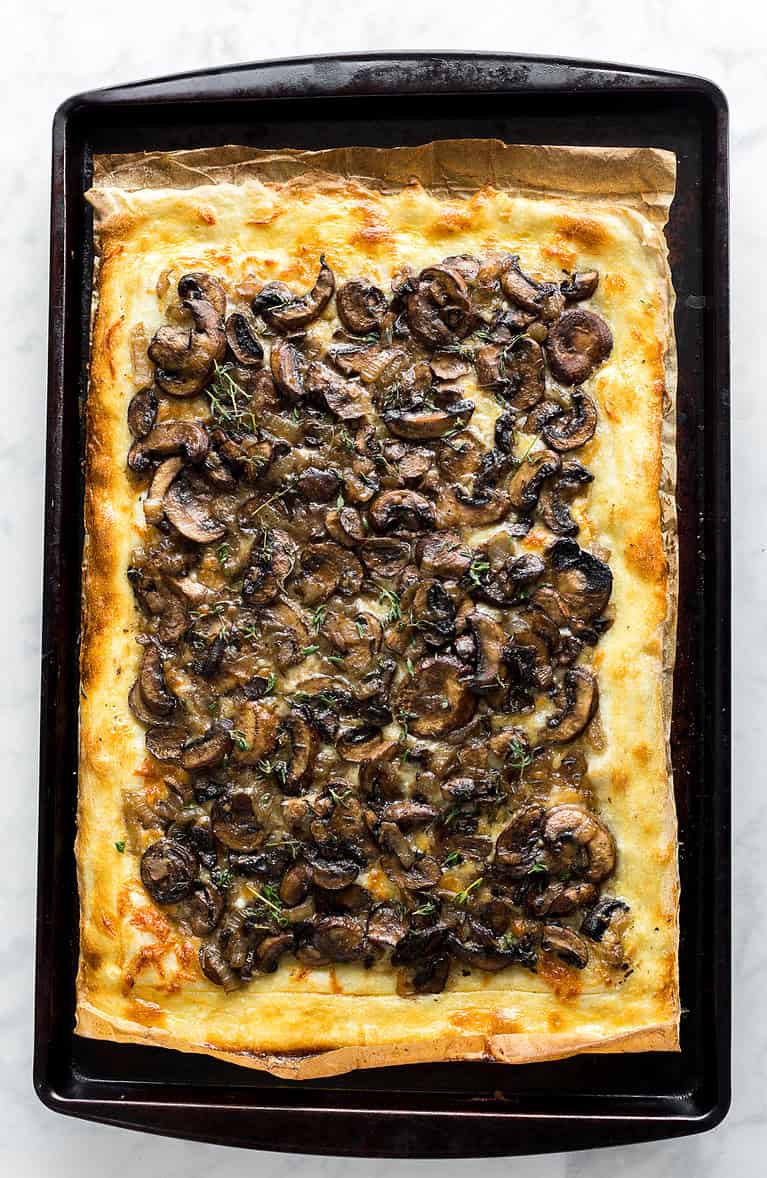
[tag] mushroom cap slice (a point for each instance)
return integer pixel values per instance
(299, 311)
(166, 743)
(142, 412)
(243, 341)
(185, 438)
(520, 844)
(568, 431)
(435, 699)
(168, 871)
(443, 555)
(438, 310)
(456, 508)
(581, 702)
(234, 823)
(206, 907)
(331, 874)
(361, 307)
(554, 498)
(524, 374)
(450, 365)
(189, 515)
(385, 557)
(580, 285)
(426, 424)
(542, 299)
(489, 640)
(302, 741)
(529, 477)
(151, 682)
(577, 344)
(363, 742)
(566, 943)
(403, 511)
(597, 921)
(340, 938)
(346, 399)
(287, 367)
(582, 581)
(575, 824)
(345, 526)
(207, 750)
(327, 568)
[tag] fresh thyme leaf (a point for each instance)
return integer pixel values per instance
(311, 649)
(338, 659)
(223, 553)
(318, 617)
(340, 501)
(240, 739)
(463, 896)
(361, 625)
(120, 846)
(222, 877)
(518, 757)
(476, 569)
(390, 598)
(538, 869)
(425, 909)
(410, 667)
(453, 859)
(270, 898)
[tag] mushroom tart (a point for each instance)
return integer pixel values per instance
(374, 607)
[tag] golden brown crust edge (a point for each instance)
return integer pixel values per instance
(105, 547)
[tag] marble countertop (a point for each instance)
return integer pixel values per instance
(56, 50)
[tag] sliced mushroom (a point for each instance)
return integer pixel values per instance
(207, 750)
(571, 823)
(331, 874)
(302, 744)
(361, 307)
(568, 431)
(582, 581)
(363, 742)
(189, 515)
(234, 823)
(384, 556)
(579, 286)
(435, 700)
(489, 639)
(298, 312)
(438, 310)
(151, 683)
(166, 472)
(525, 487)
(370, 362)
(433, 612)
(206, 907)
(168, 871)
(504, 432)
(166, 743)
(243, 341)
(386, 926)
(560, 898)
(409, 813)
(542, 299)
(345, 526)
(577, 344)
(419, 945)
(519, 845)
(405, 512)
(318, 486)
(597, 921)
(286, 632)
(425, 424)
(270, 950)
(185, 357)
(450, 365)
(339, 938)
(186, 438)
(288, 367)
(258, 722)
(581, 693)
(142, 412)
(524, 374)
(443, 555)
(566, 943)
(215, 968)
(488, 957)
(457, 508)
(327, 568)
(346, 399)
(556, 494)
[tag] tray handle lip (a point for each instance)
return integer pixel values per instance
(151, 89)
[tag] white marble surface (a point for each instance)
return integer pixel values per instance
(54, 49)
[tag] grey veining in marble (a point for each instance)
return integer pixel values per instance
(51, 50)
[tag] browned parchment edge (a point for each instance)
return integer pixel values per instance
(639, 178)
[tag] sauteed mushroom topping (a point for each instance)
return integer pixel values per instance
(365, 663)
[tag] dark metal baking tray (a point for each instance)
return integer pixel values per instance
(446, 1109)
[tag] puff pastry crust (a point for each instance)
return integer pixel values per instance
(138, 978)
